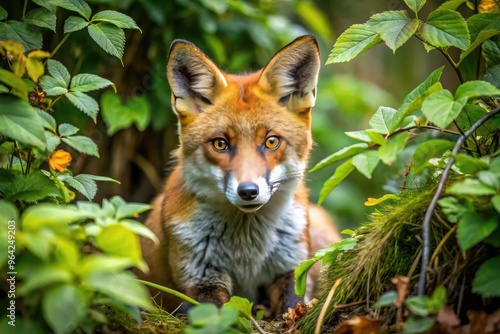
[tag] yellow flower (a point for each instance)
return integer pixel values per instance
(59, 160)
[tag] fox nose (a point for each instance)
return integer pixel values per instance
(248, 191)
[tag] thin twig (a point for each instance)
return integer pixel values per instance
(437, 195)
(60, 44)
(361, 302)
(52, 103)
(328, 300)
(24, 7)
(426, 127)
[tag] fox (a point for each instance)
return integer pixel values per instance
(233, 217)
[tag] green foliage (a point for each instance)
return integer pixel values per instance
(70, 258)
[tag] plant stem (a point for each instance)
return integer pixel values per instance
(427, 127)
(60, 44)
(24, 7)
(437, 195)
(170, 291)
(52, 103)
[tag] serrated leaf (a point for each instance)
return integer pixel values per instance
(482, 22)
(491, 52)
(476, 88)
(492, 75)
(18, 86)
(109, 37)
(83, 184)
(46, 4)
(417, 305)
(41, 17)
(340, 155)
(384, 121)
(35, 68)
(481, 38)
(31, 188)
(59, 72)
(74, 23)
(84, 103)
(351, 43)
(451, 4)
(79, 6)
(441, 108)
(366, 162)
(118, 114)
(428, 150)
(64, 306)
(445, 27)
(52, 87)
(19, 121)
(47, 120)
(415, 5)
(394, 27)
(89, 82)
(66, 129)
(116, 18)
(21, 32)
(82, 144)
(470, 187)
(340, 174)
(487, 279)
(473, 228)
(389, 152)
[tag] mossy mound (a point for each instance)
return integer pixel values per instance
(390, 245)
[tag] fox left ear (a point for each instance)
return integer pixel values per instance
(292, 74)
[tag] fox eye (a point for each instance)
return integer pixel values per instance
(219, 144)
(273, 142)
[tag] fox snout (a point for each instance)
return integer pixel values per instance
(248, 191)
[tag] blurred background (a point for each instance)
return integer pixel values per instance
(238, 36)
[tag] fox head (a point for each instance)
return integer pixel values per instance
(245, 137)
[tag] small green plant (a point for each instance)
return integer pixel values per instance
(63, 261)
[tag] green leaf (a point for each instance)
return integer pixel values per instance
(47, 215)
(340, 173)
(79, 6)
(125, 210)
(3, 13)
(116, 18)
(243, 305)
(387, 299)
(474, 228)
(82, 144)
(52, 87)
(109, 37)
(74, 23)
(441, 109)
(415, 5)
(417, 305)
(21, 32)
(366, 162)
(120, 115)
(118, 240)
(340, 155)
(482, 22)
(492, 75)
(19, 88)
(451, 4)
(476, 88)
(85, 185)
(46, 120)
(362, 135)
(389, 152)
(438, 300)
(301, 275)
(470, 187)
(455, 208)
(495, 200)
(203, 315)
(41, 17)
(385, 120)
(31, 188)
(84, 103)
(376, 137)
(140, 229)
(413, 101)
(470, 165)
(445, 27)
(89, 82)
(487, 279)
(416, 324)
(481, 38)
(351, 43)
(46, 4)
(394, 27)
(64, 307)
(8, 211)
(428, 150)
(66, 129)
(20, 122)
(59, 72)
(491, 52)
(44, 276)
(98, 263)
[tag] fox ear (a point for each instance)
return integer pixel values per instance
(292, 74)
(194, 79)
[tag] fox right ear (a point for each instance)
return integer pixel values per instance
(194, 79)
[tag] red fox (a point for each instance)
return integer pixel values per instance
(234, 216)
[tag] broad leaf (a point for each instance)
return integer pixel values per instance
(89, 82)
(41, 17)
(109, 37)
(359, 135)
(415, 5)
(389, 152)
(487, 279)
(3, 13)
(74, 23)
(50, 215)
(470, 187)
(482, 22)
(491, 52)
(451, 4)
(43, 276)
(118, 114)
(394, 27)
(481, 38)
(66, 129)
(116, 18)
(340, 155)
(46, 120)
(18, 86)
(495, 200)
(445, 28)
(355, 40)
(473, 228)
(85, 184)
(301, 275)
(21, 32)
(46, 4)
(82, 144)
(59, 72)
(31, 188)
(492, 76)
(340, 174)
(79, 6)
(84, 103)
(385, 120)
(441, 108)
(366, 162)
(428, 150)
(476, 88)
(19, 121)
(52, 87)
(64, 307)
(387, 299)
